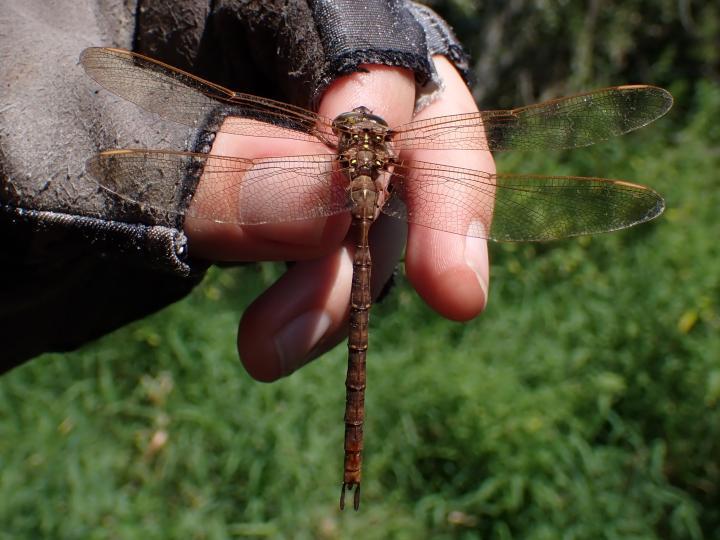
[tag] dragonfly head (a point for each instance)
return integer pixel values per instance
(358, 118)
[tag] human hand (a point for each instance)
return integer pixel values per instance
(305, 312)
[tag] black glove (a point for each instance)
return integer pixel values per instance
(77, 262)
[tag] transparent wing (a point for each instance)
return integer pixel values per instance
(233, 190)
(516, 208)
(187, 99)
(568, 122)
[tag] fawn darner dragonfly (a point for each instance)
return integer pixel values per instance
(366, 173)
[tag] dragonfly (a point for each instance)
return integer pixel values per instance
(364, 173)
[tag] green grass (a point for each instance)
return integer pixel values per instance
(585, 403)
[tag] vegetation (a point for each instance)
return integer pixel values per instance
(522, 51)
(584, 404)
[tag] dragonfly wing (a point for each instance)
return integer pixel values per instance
(516, 208)
(232, 190)
(568, 122)
(442, 197)
(186, 99)
(551, 207)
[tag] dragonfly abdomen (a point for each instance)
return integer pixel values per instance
(360, 302)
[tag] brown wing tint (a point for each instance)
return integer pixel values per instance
(516, 208)
(234, 190)
(569, 122)
(186, 99)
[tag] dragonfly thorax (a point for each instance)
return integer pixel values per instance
(364, 154)
(363, 147)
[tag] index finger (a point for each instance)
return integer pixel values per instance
(267, 194)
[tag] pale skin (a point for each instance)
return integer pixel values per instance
(305, 312)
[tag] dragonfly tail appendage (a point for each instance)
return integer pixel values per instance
(356, 496)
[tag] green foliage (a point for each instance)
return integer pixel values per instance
(522, 51)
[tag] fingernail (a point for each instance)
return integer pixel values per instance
(297, 338)
(474, 250)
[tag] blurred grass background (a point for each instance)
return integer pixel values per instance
(585, 402)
